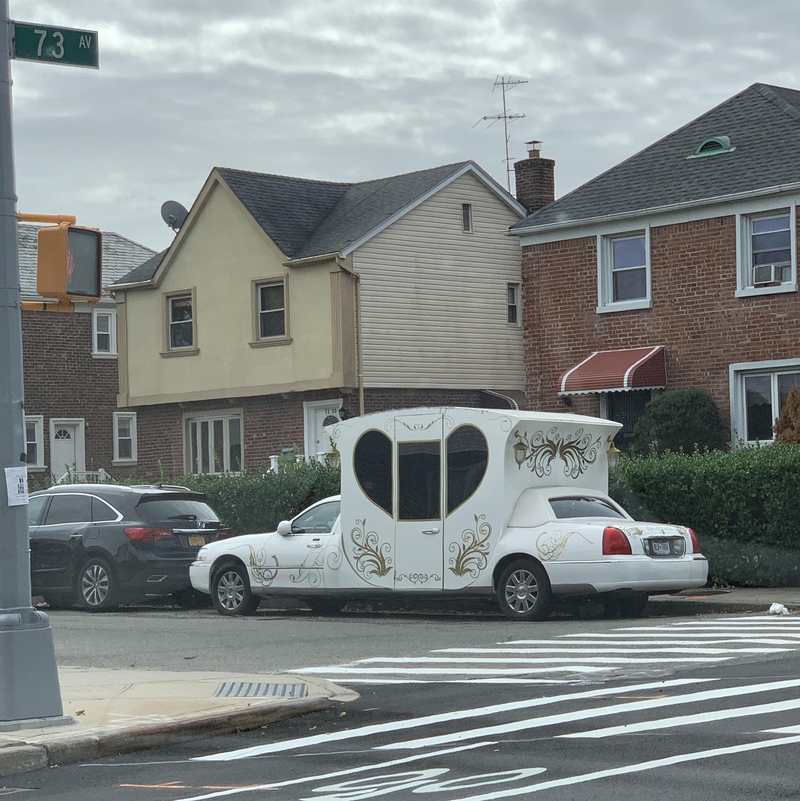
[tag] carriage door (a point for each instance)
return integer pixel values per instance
(419, 526)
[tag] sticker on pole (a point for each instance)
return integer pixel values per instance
(17, 486)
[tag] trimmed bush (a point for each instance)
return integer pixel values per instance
(680, 420)
(787, 426)
(743, 506)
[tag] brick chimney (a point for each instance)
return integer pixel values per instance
(535, 179)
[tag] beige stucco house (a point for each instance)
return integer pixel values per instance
(283, 301)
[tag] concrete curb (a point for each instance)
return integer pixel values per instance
(63, 749)
(689, 606)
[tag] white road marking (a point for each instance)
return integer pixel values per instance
(688, 720)
(545, 660)
(615, 650)
(355, 671)
(728, 636)
(444, 717)
(325, 776)
(653, 764)
(588, 714)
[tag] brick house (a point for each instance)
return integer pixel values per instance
(675, 269)
(70, 371)
(283, 303)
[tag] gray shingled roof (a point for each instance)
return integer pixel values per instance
(763, 123)
(119, 256)
(311, 218)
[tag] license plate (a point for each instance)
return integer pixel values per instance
(667, 547)
(197, 539)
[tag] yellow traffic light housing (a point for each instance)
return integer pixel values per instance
(70, 263)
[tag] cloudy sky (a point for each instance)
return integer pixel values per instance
(344, 90)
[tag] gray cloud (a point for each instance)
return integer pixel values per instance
(342, 90)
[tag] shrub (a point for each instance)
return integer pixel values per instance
(743, 506)
(787, 426)
(680, 420)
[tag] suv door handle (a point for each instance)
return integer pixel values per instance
(430, 531)
(76, 536)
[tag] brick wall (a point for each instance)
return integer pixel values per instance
(62, 379)
(694, 313)
(273, 422)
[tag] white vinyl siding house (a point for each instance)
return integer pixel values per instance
(434, 302)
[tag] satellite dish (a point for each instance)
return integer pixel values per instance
(174, 214)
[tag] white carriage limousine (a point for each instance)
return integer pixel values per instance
(461, 503)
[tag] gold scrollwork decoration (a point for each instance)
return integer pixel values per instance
(551, 546)
(418, 578)
(577, 451)
(371, 556)
(259, 564)
(471, 557)
(419, 426)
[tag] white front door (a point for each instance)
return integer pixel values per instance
(419, 526)
(319, 414)
(66, 447)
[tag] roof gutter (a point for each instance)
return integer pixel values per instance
(692, 204)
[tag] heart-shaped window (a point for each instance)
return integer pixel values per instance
(467, 460)
(372, 462)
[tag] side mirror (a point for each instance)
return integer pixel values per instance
(284, 528)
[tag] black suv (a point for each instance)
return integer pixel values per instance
(100, 545)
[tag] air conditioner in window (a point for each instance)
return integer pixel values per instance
(768, 273)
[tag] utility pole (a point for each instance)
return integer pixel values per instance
(503, 84)
(29, 688)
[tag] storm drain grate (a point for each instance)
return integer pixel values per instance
(258, 689)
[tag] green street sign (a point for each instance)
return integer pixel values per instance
(75, 48)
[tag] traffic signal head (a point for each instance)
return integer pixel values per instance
(69, 264)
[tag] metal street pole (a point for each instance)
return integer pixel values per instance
(29, 686)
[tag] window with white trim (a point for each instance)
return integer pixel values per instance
(34, 441)
(213, 442)
(271, 304)
(759, 396)
(124, 437)
(466, 218)
(624, 271)
(512, 304)
(767, 260)
(180, 321)
(104, 332)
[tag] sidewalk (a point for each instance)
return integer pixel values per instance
(114, 711)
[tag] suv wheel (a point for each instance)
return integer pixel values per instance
(523, 591)
(97, 586)
(230, 591)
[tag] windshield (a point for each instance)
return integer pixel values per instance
(582, 507)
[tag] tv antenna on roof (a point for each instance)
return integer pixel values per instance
(174, 214)
(504, 83)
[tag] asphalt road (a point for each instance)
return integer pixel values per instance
(610, 740)
(465, 707)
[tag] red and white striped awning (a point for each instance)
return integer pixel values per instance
(616, 371)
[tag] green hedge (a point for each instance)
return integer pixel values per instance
(743, 505)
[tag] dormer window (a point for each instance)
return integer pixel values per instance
(712, 146)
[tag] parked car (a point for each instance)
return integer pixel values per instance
(99, 545)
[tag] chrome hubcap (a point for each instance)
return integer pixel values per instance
(230, 590)
(521, 591)
(94, 585)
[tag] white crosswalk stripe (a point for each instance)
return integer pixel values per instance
(637, 650)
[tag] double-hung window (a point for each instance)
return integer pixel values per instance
(767, 252)
(624, 271)
(759, 392)
(466, 218)
(124, 437)
(214, 442)
(271, 310)
(104, 332)
(512, 304)
(180, 321)
(34, 441)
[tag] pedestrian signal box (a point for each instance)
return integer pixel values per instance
(70, 263)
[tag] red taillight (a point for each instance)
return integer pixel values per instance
(615, 542)
(148, 535)
(224, 534)
(695, 541)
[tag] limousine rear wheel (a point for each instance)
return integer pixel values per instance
(230, 591)
(523, 591)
